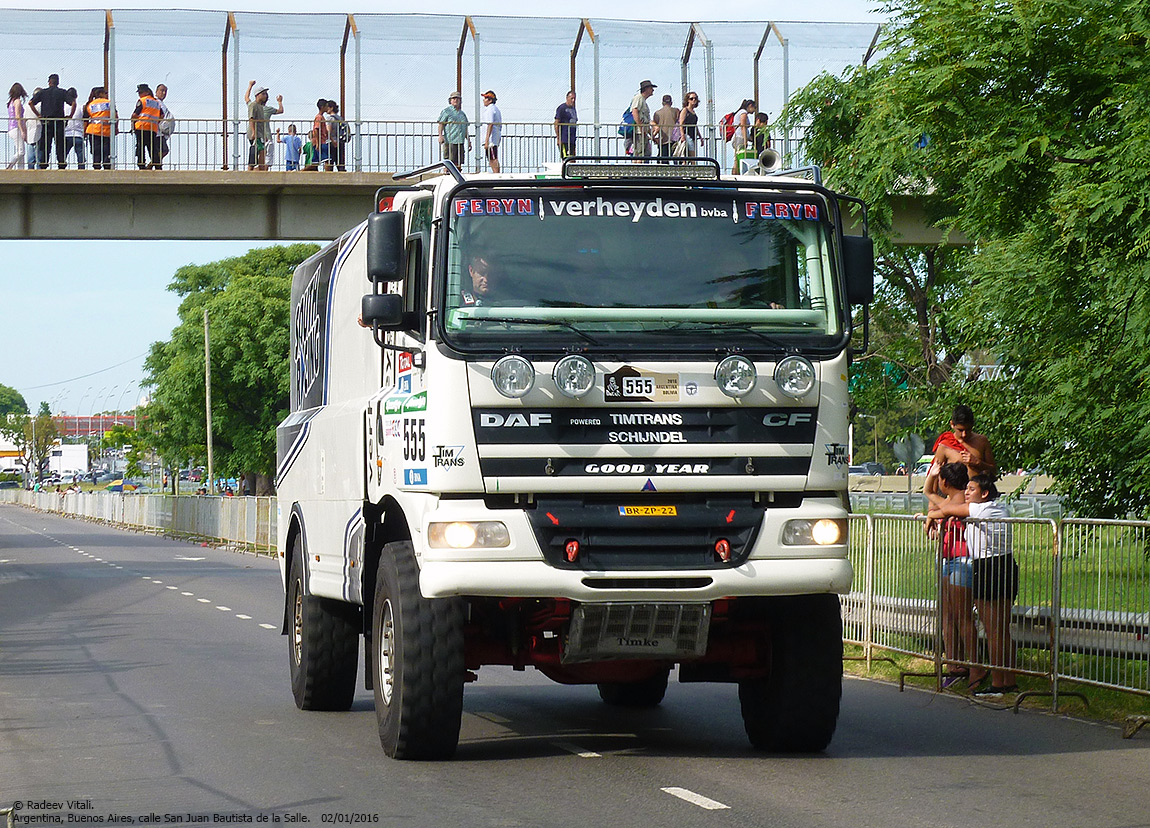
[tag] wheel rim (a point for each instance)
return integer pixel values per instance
(386, 652)
(297, 624)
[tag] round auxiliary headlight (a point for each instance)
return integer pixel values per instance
(513, 376)
(736, 376)
(795, 376)
(574, 375)
(460, 535)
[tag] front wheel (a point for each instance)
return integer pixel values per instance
(796, 708)
(323, 644)
(418, 662)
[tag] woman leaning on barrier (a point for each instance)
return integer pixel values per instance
(994, 578)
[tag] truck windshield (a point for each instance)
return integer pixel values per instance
(642, 266)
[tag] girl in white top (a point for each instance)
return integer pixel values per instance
(989, 542)
(17, 129)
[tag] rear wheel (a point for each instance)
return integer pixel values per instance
(418, 662)
(795, 709)
(323, 644)
(648, 692)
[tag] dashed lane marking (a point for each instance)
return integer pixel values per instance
(696, 799)
(578, 751)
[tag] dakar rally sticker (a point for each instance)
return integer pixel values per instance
(632, 385)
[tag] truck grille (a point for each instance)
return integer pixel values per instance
(625, 631)
(609, 540)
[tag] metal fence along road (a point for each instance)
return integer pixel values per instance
(1082, 612)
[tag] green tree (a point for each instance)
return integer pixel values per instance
(11, 402)
(247, 300)
(1029, 121)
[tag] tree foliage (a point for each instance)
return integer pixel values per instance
(11, 402)
(247, 302)
(1026, 126)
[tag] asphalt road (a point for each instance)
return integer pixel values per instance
(147, 679)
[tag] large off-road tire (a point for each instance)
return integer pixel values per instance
(645, 693)
(795, 709)
(323, 644)
(417, 661)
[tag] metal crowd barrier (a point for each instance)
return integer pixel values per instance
(204, 144)
(1082, 613)
(243, 521)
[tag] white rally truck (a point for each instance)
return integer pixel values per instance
(591, 421)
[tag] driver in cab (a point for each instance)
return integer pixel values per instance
(483, 281)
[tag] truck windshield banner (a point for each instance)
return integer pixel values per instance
(634, 209)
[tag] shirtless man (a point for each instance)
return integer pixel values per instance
(960, 445)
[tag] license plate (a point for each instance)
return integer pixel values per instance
(648, 511)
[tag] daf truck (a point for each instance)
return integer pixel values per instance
(591, 422)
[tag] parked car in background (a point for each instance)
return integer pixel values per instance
(870, 467)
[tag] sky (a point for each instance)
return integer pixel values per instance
(78, 318)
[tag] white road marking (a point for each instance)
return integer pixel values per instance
(203, 600)
(224, 609)
(268, 626)
(172, 587)
(157, 582)
(243, 617)
(493, 717)
(578, 751)
(185, 558)
(189, 594)
(696, 799)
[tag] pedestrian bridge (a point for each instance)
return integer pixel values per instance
(226, 205)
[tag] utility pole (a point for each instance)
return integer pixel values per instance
(208, 402)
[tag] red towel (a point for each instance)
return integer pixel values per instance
(947, 438)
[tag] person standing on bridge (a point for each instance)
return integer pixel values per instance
(146, 126)
(260, 127)
(492, 120)
(566, 117)
(167, 122)
(17, 129)
(48, 104)
(453, 126)
(98, 116)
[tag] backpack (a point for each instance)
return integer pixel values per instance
(344, 132)
(727, 122)
(627, 127)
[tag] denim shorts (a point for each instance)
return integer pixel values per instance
(958, 572)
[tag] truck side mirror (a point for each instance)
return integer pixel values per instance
(385, 247)
(858, 266)
(382, 310)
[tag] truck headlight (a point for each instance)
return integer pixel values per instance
(736, 376)
(466, 534)
(574, 376)
(806, 532)
(795, 376)
(513, 376)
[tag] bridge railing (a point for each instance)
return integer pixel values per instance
(372, 146)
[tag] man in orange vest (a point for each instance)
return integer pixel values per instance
(146, 119)
(98, 115)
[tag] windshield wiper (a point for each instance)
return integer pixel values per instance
(720, 327)
(582, 334)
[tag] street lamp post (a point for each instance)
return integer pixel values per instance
(875, 427)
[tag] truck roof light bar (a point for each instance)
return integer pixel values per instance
(613, 167)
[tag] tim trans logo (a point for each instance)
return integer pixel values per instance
(533, 420)
(447, 457)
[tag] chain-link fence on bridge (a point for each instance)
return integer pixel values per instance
(391, 74)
